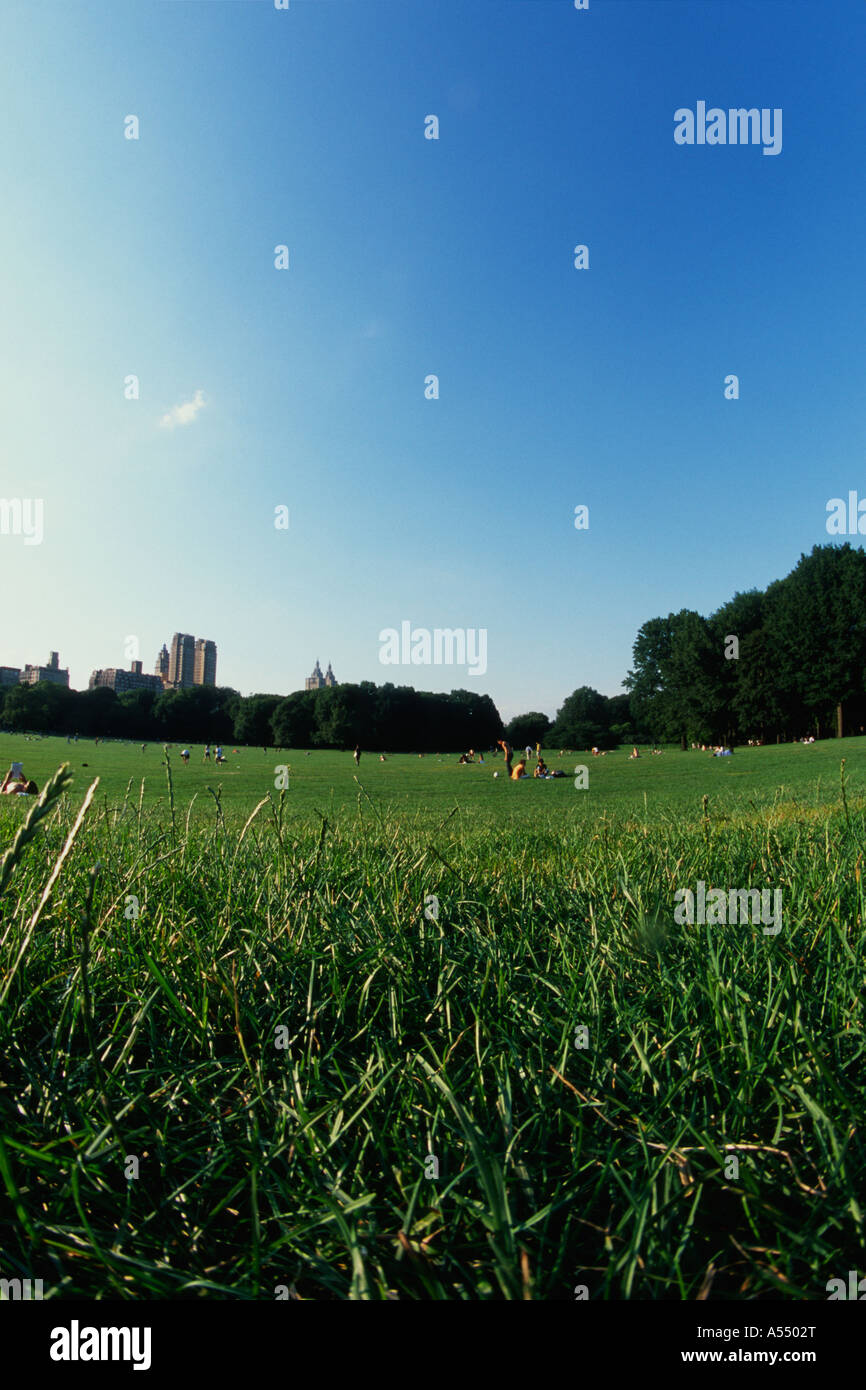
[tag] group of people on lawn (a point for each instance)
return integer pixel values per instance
(518, 771)
(218, 757)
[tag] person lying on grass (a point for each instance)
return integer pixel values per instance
(542, 770)
(16, 784)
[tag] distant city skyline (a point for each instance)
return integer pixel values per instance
(190, 662)
(31, 673)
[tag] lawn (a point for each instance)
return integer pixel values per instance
(413, 1032)
(329, 781)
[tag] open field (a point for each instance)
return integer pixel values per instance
(326, 781)
(285, 1016)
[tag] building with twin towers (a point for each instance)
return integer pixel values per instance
(317, 681)
(191, 661)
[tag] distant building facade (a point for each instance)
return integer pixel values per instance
(119, 681)
(181, 661)
(317, 681)
(190, 661)
(32, 675)
(204, 671)
(10, 675)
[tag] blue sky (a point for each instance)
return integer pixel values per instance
(408, 257)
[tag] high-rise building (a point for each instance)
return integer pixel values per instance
(10, 675)
(181, 661)
(191, 661)
(32, 675)
(317, 681)
(205, 662)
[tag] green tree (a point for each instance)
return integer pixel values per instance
(652, 702)
(676, 683)
(195, 714)
(402, 718)
(740, 618)
(340, 721)
(527, 728)
(478, 722)
(43, 708)
(756, 704)
(816, 619)
(582, 721)
(694, 680)
(293, 720)
(136, 713)
(98, 713)
(252, 720)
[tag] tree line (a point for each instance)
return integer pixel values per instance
(772, 664)
(394, 717)
(398, 718)
(769, 664)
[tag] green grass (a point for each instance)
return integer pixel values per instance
(452, 1035)
(326, 781)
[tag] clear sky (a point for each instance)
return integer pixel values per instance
(410, 257)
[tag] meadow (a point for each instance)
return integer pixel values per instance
(413, 1032)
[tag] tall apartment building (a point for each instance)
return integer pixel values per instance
(191, 661)
(31, 675)
(181, 661)
(10, 675)
(118, 681)
(205, 662)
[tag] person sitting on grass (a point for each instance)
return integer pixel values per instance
(519, 771)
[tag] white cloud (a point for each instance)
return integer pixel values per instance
(183, 414)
